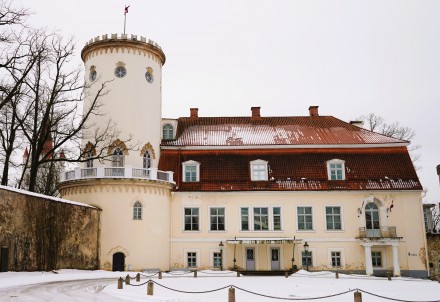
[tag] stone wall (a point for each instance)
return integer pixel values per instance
(46, 233)
(434, 253)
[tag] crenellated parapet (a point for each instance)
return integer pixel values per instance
(123, 43)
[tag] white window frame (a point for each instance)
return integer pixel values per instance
(213, 252)
(191, 163)
(270, 213)
(137, 205)
(261, 215)
(341, 215)
(312, 257)
(257, 163)
(224, 218)
(118, 159)
(185, 257)
(199, 220)
(147, 160)
(339, 250)
(382, 256)
(297, 220)
(168, 131)
(335, 162)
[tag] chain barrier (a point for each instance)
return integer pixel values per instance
(148, 276)
(140, 284)
(217, 273)
(190, 292)
(394, 299)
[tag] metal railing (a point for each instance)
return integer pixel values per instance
(382, 232)
(117, 172)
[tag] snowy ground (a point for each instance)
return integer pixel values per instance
(75, 285)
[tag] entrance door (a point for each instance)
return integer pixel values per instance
(275, 258)
(250, 258)
(372, 220)
(118, 262)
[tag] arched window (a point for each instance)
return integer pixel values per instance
(147, 160)
(137, 211)
(372, 216)
(118, 158)
(89, 161)
(168, 131)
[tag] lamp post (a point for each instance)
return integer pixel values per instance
(306, 251)
(221, 254)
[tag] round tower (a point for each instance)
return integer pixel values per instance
(131, 70)
(133, 195)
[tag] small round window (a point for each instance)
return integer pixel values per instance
(149, 77)
(120, 72)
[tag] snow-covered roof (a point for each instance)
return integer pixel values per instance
(46, 197)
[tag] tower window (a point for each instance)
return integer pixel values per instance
(137, 211)
(168, 131)
(120, 71)
(118, 158)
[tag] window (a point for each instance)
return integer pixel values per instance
(258, 170)
(118, 158)
(372, 216)
(333, 218)
(376, 258)
(191, 259)
(191, 171)
(244, 219)
(191, 219)
(217, 259)
(89, 162)
(336, 169)
(168, 131)
(120, 71)
(147, 160)
(306, 259)
(305, 221)
(336, 259)
(217, 219)
(261, 219)
(137, 211)
(276, 218)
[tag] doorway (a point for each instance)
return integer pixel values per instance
(250, 259)
(275, 259)
(118, 262)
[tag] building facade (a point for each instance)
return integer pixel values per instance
(247, 193)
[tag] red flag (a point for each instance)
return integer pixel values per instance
(126, 10)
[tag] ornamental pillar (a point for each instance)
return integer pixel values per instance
(368, 260)
(396, 264)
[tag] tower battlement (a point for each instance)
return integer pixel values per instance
(117, 41)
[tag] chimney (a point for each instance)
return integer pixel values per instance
(313, 111)
(194, 113)
(359, 124)
(255, 113)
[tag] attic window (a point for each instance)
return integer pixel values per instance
(258, 170)
(191, 171)
(336, 169)
(168, 131)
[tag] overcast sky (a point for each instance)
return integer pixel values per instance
(348, 57)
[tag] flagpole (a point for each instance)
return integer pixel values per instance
(125, 19)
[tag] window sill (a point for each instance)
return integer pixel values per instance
(191, 231)
(335, 231)
(214, 231)
(306, 231)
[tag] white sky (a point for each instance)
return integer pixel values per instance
(348, 57)
(27, 286)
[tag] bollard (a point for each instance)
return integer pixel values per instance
(150, 288)
(357, 297)
(127, 279)
(337, 275)
(286, 274)
(389, 276)
(120, 286)
(138, 277)
(160, 275)
(231, 294)
(238, 274)
(195, 274)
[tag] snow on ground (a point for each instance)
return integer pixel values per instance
(75, 285)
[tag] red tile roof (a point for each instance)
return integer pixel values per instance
(388, 168)
(296, 130)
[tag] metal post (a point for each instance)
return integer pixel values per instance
(231, 294)
(138, 277)
(357, 296)
(150, 288)
(120, 282)
(127, 279)
(389, 276)
(286, 274)
(195, 274)
(238, 274)
(235, 260)
(337, 275)
(307, 260)
(160, 274)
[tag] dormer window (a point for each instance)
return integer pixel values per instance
(258, 170)
(191, 171)
(168, 131)
(336, 169)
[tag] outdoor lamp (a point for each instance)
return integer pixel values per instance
(221, 254)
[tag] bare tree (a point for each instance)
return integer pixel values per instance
(377, 124)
